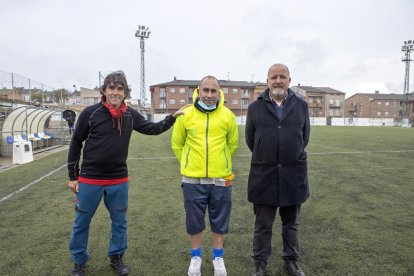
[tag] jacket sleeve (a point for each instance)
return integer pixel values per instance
(178, 137)
(249, 130)
(233, 135)
(75, 148)
(147, 127)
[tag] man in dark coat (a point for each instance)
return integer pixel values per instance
(277, 133)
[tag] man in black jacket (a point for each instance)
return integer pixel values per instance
(103, 131)
(277, 132)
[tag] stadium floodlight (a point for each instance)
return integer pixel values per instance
(407, 48)
(142, 33)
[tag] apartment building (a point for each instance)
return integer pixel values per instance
(11, 94)
(170, 96)
(89, 96)
(322, 101)
(376, 105)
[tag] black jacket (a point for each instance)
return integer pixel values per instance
(278, 171)
(105, 150)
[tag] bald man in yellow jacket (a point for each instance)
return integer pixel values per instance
(204, 140)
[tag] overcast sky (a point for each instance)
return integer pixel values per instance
(353, 46)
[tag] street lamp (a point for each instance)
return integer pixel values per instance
(407, 48)
(142, 33)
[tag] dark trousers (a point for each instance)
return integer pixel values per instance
(262, 240)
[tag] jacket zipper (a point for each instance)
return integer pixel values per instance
(207, 144)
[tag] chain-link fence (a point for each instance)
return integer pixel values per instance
(20, 89)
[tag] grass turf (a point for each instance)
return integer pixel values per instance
(359, 219)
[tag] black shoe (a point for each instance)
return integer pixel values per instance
(259, 269)
(118, 265)
(78, 270)
(293, 269)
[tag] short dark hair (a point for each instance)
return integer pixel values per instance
(116, 78)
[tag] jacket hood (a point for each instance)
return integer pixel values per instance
(220, 102)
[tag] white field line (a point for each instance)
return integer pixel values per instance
(31, 183)
(309, 153)
(172, 157)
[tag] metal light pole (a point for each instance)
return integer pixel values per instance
(407, 48)
(142, 33)
(100, 77)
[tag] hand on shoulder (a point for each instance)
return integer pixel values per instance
(181, 110)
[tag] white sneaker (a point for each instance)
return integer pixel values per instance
(219, 268)
(195, 266)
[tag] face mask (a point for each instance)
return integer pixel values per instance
(205, 107)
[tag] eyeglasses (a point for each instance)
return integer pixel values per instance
(118, 88)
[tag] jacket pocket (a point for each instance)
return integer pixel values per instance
(303, 156)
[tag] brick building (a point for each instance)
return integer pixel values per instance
(170, 96)
(376, 105)
(322, 101)
(11, 94)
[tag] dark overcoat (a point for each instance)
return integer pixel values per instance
(278, 170)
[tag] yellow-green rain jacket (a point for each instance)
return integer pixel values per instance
(205, 142)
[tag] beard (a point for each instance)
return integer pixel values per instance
(279, 93)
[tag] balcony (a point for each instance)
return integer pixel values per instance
(334, 106)
(315, 105)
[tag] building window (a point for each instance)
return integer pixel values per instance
(162, 92)
(387, 103)
(235, 90)
(318, 100)
(395, 104)
(337, 102)
(244, 104)
(379, 113)
(225, 90)
(190, 92)
(234, 101)
(162, 103)
(386, 113)
(172, 90)
(379, 103)
(172, 101)
(182, 90)
(182, 101)
(331, 102)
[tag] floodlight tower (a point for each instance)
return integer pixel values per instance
(407, 48)
(142, 33)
